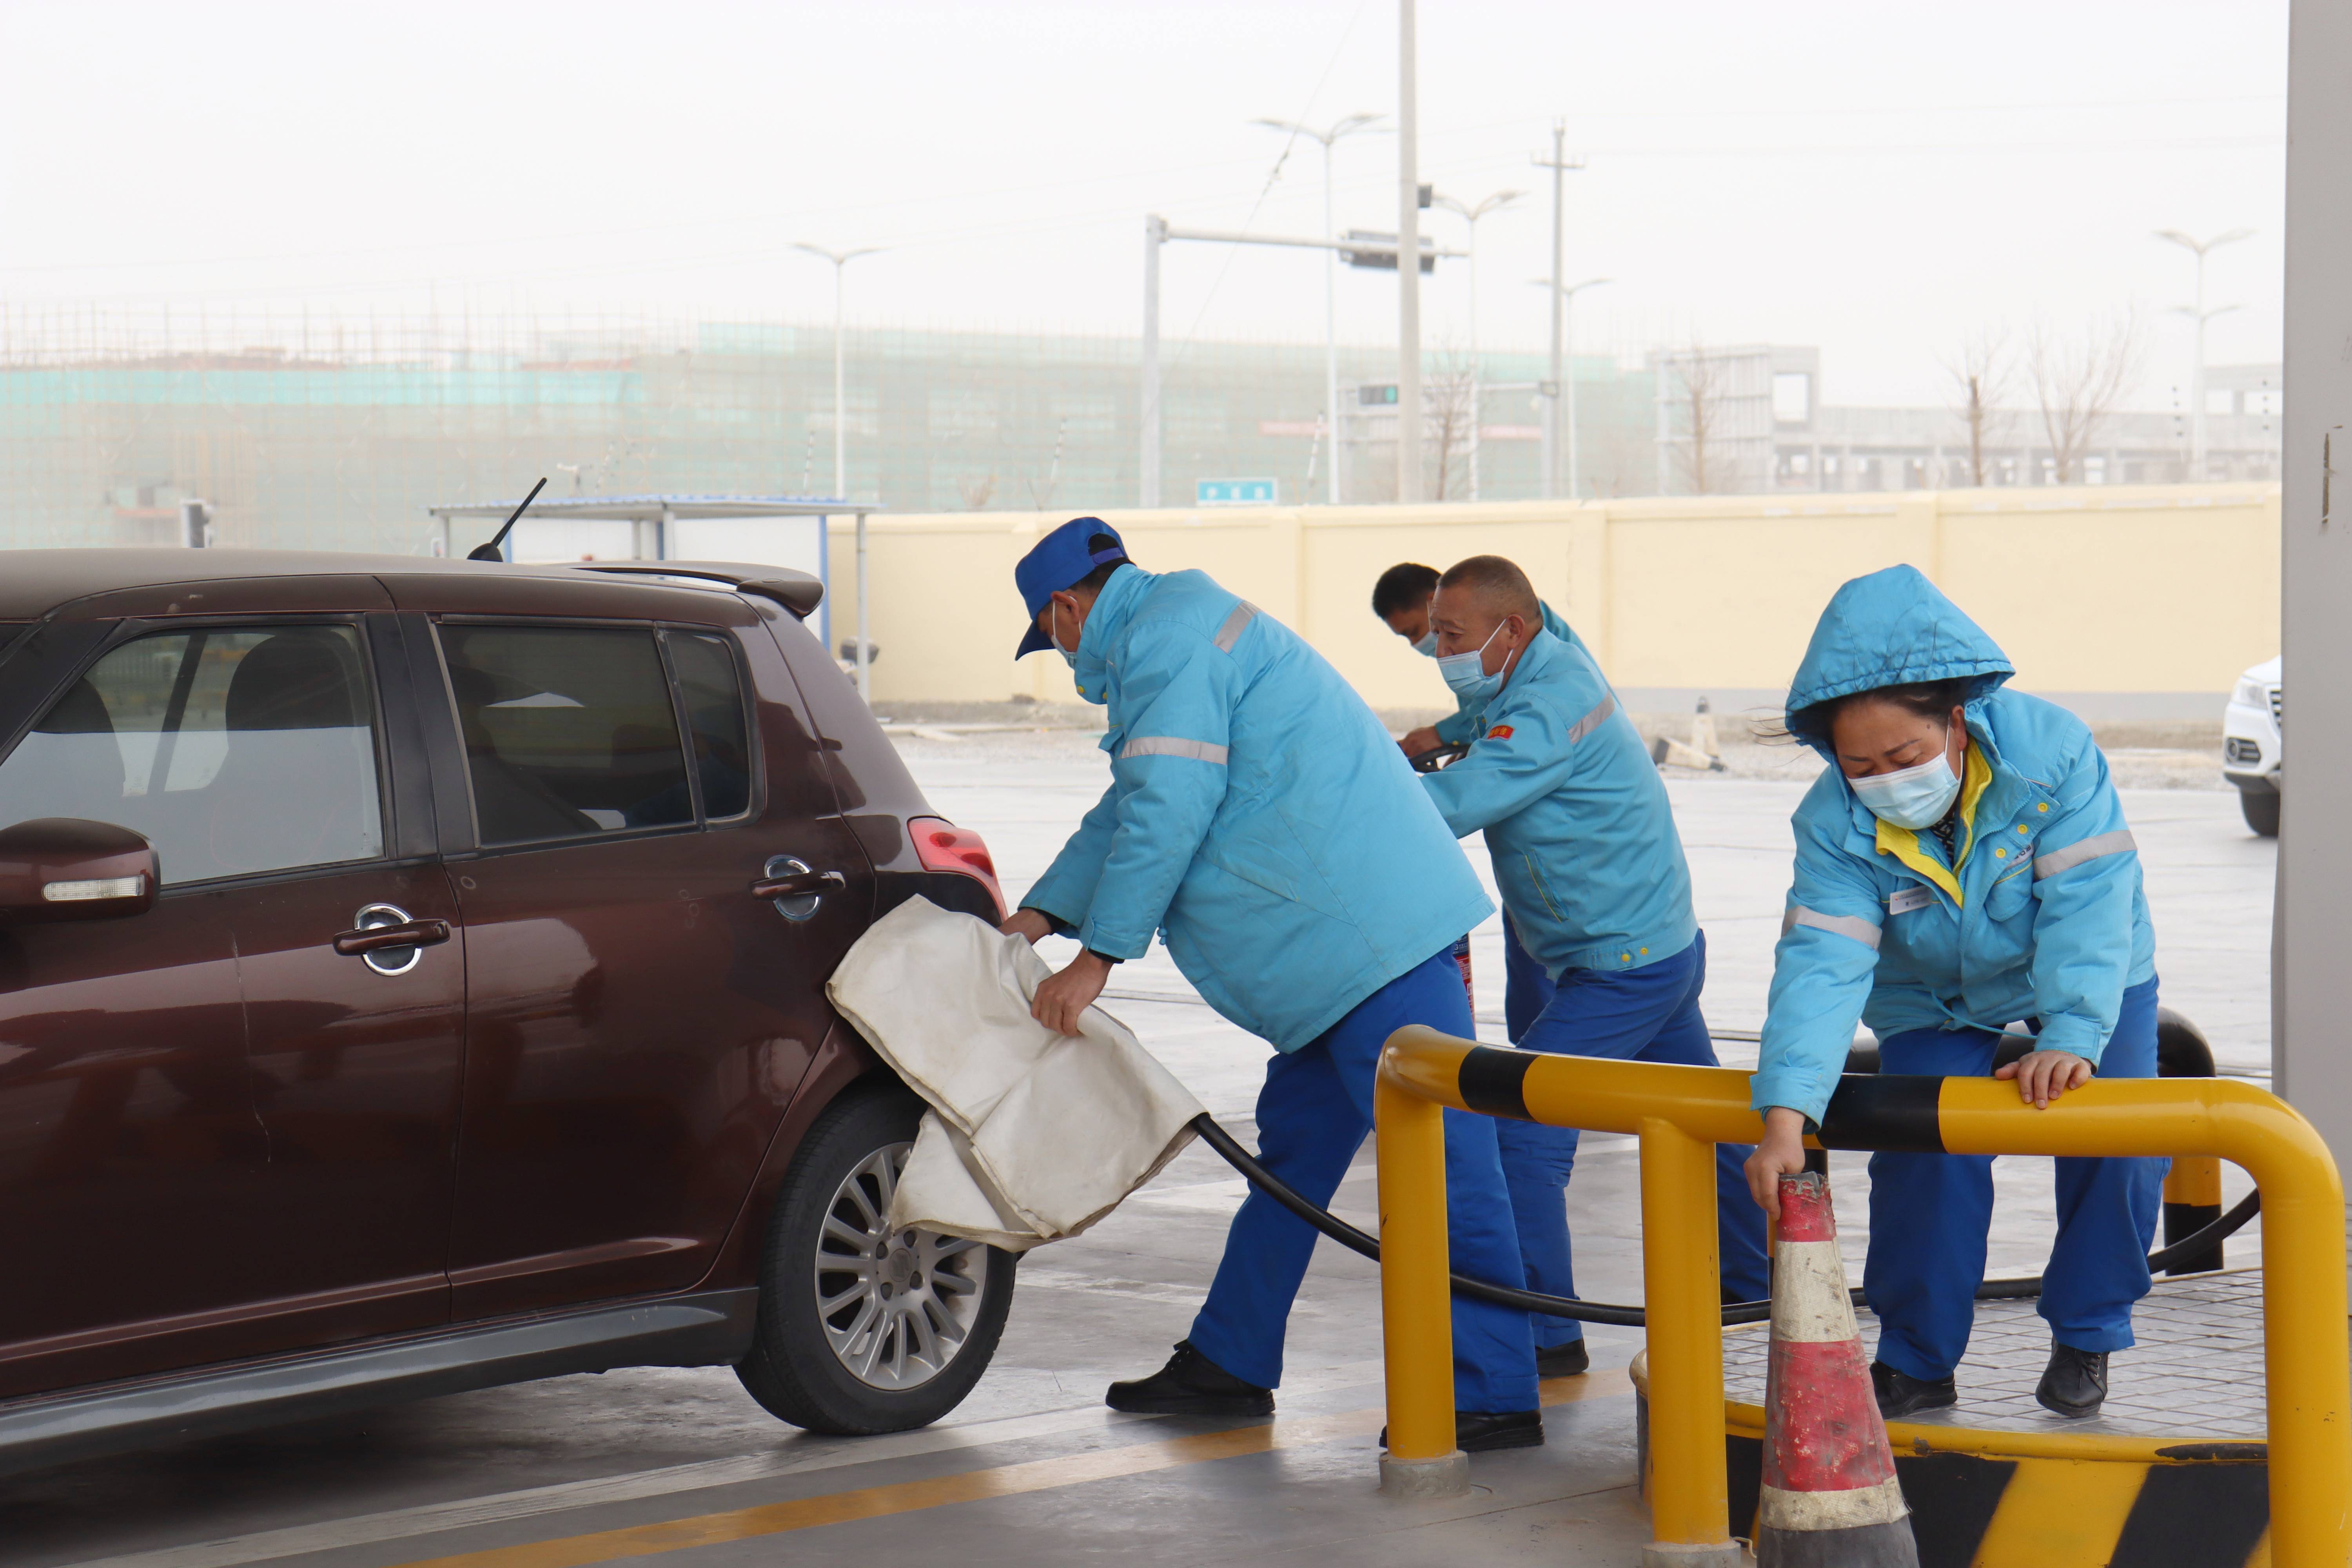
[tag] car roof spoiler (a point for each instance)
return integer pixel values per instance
(796, 591)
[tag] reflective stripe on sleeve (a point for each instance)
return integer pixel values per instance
(1861, 929)
(1594, 720)
(2091, 849)
(1170, 746)
(1236, 624)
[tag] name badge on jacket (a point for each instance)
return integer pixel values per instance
(1903, 901)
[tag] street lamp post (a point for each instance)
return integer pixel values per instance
(1559, 164)
(1347, 125)
(1409, 426)
(1471, 212)
(1563, 308)
(2200, 315)
(841, 260)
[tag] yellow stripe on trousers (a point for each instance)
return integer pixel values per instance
(974, 1486)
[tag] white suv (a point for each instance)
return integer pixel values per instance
(2249, 745)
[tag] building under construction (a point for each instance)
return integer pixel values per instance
(299, 434)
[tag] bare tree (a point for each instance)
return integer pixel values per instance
(2078, 380)
(1449, 405)
(1699, 392)
(977, 493)
(1983, 372)
(1041, 499)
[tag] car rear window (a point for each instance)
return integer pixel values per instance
(570, 731)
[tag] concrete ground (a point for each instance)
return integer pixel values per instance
(1032, 1471)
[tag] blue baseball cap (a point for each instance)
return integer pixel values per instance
(1057, 562)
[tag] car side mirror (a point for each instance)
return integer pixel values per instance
(65, 868)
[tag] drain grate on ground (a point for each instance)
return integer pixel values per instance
(2197, 1371)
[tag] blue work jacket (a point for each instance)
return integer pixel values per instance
(1259, 815)
(1462, 724)
(2038, 914)
(1576, 818)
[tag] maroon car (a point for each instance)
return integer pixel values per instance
(412, 979)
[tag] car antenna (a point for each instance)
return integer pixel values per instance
(491, 551)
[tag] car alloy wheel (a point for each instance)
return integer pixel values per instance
(898, 1306)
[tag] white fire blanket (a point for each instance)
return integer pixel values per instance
(1032, 1136)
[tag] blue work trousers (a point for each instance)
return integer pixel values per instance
(1312, 1116)
(1527, 989)
(1929, 1215)
(1649, 1015)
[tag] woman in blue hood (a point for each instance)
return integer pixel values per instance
(1963, 866)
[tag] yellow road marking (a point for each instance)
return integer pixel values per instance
(974, 1486)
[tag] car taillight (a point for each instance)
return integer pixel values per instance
(943, 847)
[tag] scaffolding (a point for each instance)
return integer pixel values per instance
(299, 429)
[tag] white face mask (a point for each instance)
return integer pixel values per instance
(1914, 797)
(1466, 673)
(1054, 621)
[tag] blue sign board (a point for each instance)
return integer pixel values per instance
(1233, 492)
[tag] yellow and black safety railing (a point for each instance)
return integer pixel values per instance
(1680, 1113)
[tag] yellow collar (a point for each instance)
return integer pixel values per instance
(1902, 843)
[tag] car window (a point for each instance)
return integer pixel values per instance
(232, 751)
(712, 696)
(570, 731)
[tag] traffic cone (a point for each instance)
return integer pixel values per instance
(1830, 1497)
(1702, 753)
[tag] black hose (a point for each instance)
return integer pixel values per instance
(1734, 1312)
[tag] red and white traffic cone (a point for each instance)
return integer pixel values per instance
(1830, 1498)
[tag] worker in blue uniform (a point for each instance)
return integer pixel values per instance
(1259, 819)
(1591, 873)
(1962, 865)
(1400, 598)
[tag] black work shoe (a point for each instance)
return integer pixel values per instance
(1485, 1431)
(1899, 1393)
(1563, 1360)
(2074, 1384)
(1190, 1384)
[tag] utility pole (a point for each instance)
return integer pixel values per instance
(841, 260)
(2200, 315)
(1407, 487)
(1347, 126)
(1471, 212)
(1559, 164)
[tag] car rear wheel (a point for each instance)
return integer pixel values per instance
(864, 1329)
(2261, 811)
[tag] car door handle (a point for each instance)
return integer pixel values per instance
(376, 939)
(799, 884)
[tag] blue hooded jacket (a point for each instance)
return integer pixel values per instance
(1463, 724)
(1259, 815)
(2042, 916)
(1576, 818)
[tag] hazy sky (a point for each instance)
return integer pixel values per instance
(1879, 179)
